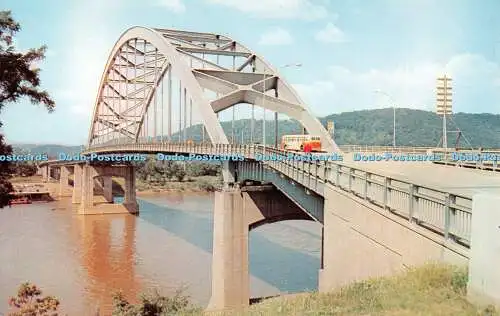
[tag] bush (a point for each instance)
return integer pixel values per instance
(206, 186)
(29, 302)
(152, 304)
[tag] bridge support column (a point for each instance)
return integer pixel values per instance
(230, 279)
(484, 276)
(63, 180)
(236, 212)
(108, 188)
(87, 201)
(229, 173)
(77, 184)
(45, 173)
(130, 201)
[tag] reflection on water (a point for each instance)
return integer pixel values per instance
(84, 259)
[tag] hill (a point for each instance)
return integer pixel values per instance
(49, 149)
(367, 127)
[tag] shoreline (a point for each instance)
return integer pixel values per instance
(170, 190)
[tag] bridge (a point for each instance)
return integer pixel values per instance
(161, 87)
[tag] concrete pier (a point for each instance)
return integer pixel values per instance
(236, 212)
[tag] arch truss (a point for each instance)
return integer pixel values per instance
(160, 85)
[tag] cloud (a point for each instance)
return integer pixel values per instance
(175, 6)
(330, 34)
(277, 36)
(475, 87)
(81, 67)
(279, 9)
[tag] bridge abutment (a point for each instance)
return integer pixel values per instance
(363, 241)
(484, 275)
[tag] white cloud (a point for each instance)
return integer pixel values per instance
(330, 34)
(277, 36)
(280, 9)
(83, 62)
(474, 87)
(175, 6)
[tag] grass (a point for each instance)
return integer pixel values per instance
(434, 289)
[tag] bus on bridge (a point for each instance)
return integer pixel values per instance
(305, 143)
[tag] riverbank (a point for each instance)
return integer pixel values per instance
(434, 289)
(193, 184)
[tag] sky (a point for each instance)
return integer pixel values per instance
(348, 50)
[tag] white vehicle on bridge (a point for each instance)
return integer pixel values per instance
(305, 143)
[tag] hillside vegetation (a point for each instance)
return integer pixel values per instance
(368, 127)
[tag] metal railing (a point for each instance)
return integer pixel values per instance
(478, 159)
(378, 149)
(441, 212)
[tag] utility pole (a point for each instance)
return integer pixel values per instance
(331, 128)
(443, 104)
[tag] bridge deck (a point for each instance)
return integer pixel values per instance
(447, 178)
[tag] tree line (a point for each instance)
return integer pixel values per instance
(154, 171)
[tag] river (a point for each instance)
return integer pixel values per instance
(82, 260)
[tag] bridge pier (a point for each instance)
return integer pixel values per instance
(63, 181)
(89, 174)
(130, 201)
(236, 212)
(77, 184)
(108, 188)
(87, 201)
(45, 173)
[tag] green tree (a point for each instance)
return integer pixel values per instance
(178, 171)
(19, 77)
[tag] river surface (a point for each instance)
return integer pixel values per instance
(82, 260)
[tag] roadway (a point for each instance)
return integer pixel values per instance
(451, 179)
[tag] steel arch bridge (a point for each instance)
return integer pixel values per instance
(156, 79)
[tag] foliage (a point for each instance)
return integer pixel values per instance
(29, 302)
(375, 127)
(24, 169)
(6, 169)
(151, 305)
(19, 77)
(207, 186)
(163, 171)
(203, 169)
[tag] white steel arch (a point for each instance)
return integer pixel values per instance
(143, 56)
